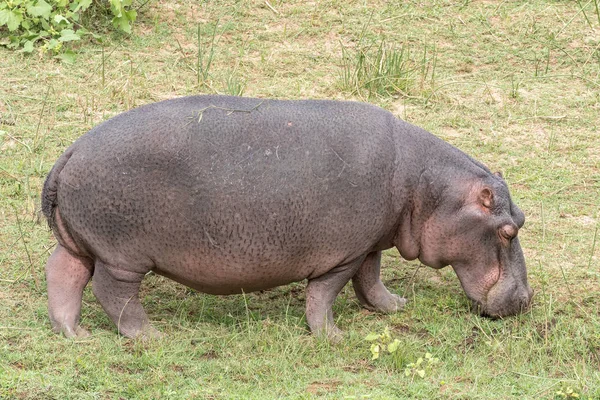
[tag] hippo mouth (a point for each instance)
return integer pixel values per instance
(479, 308)
(519, 305)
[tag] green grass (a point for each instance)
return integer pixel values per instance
(515, 84)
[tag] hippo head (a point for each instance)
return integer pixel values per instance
(473, 227)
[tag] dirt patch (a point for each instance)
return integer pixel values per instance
(323, 387)
(359, 366)
(210, 355)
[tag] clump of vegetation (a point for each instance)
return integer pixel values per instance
(377, 68)
(384, 344)
(567, 393)
(380, 69)
(23, 23)
(421, 366)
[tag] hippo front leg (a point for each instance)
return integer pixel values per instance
(320, 295)
(117, 291)
(369, 289)
(66, 277)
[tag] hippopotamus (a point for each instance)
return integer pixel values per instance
(233, 195)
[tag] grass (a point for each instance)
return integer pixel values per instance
(515, 84)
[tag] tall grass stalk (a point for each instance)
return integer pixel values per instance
(205, 55)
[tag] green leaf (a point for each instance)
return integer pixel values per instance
(83, 5)
(131, 15)
(392, 347)
(116, 8)
(53, 44)
(375, 351)
(4, 17)
(421, 373)
(372, 336)
(41, 9)
(59, 18)
(68, 57)
(28, 46)
(11, 18)
(68, 35)
(122, 23)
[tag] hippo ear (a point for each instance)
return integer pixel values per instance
(498, 174)
(486, 198)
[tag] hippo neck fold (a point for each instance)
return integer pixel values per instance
(421, 180)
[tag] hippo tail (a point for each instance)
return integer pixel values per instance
(50, 190)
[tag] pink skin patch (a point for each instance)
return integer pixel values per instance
(490, 278)
(478, 286)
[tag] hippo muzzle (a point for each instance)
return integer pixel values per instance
(511, 294)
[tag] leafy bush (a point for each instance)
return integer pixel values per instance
(54, 23)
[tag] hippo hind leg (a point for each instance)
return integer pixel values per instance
(117, 291)
(369, 289)
(66, 277)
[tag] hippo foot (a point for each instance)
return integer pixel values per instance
(387, 305)
(332, 334)
(149, 333)
(369, 289)
(70, 332)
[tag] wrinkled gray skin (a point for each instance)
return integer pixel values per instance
(229, 195)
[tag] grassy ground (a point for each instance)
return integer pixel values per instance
(516, 84)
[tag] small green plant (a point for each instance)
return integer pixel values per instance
(234, 86)
(384, 343)
(566, 393)
(23, 23)
(421, 366)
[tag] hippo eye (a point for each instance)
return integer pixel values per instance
(508, 231)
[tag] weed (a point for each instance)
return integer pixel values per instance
(422, 366)
(566, 393)
(384, 70)
(205, 54)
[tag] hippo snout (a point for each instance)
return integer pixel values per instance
(518, 302)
